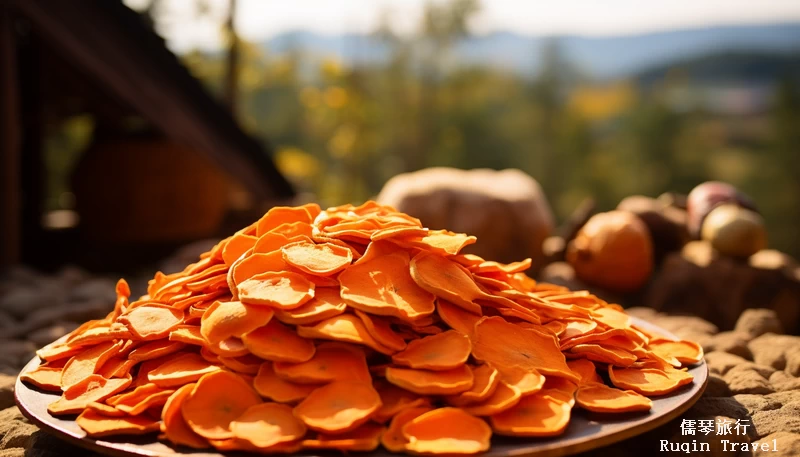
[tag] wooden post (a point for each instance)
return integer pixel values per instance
(10, 193)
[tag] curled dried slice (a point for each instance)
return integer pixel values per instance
(326, 303)
(425, 382)
(600, 398)
(444, 351)
(94, 388)
(45, 378)
(365, 438)
(457, 317)
(503, 398)
(181, 370)
(236, 246)
(346, 328)
(526, 381)
(381, 329)
(223, 320)
(338, 407)
(393, 439)
(174, 427)
(278, 343)
(280, 215)
(282, 290)
(585, 369)
(446, 279)
(137, 401)
(87, 363)
(96, 425)
(447, 431)
(268, 424)
(605, 354)
(534, 415)
(331, 362)
(155, 349)
(246, 364)
(272, 386)
(649, 381)
(577, 327)
(687, 352)
(394, 399)
(152, 321)
(323, 259)
(229, 347)
(486, 380)
(442, 242)
(217, 399)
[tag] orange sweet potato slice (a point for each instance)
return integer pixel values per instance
(380, 329)
(229, 347)
(394, 399)
(384, 286)
(447, 431)
(365, 438)
(267, 424)
(100, 334)
(317, 259)
(270, 385)
(152, 321)
(105, 410)
(87, 363)
(326, 303)
(331, 362)
(604, 354)
(585, 369)
(503, 398)
(155, 349)
(600, 398)
(686, 352)
(217, 400)
(486, 380)
(116, 367)
(181, 370)
(138, 400)
(284, 290)
(534, 415)
(425, 382)
(56, 351)
(272, 241)
(577, 327)
(346, 328)
(446, 279)
(398, 231)
(223, 320)
(393, 439)
(506, 345)
(96, 425)
(278, 343)
(236, 246)
(249, 266)
(45, 378)
(526, 381)
(442, 242)
(561, 389)
(649, 381)
(188, 334)
(174, 427)
(457, 317)
(295, 229)
(246, 364)
(444, 351)
(338, 407)
(235, 444)
(94, 388)
(280, 215)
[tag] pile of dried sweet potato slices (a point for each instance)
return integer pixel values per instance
(349, 329)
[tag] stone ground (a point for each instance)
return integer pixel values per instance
(753, 377)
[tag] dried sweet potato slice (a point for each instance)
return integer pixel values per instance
(686, 352)
(442, 242)
(383, 285)
(117, 367)
(444, 351)
(326, 303)
(577, 327)
(278, 343)
(270, 385)
(446, 279)
(338, 407)
(526, 381)
(152, 321)
(394, 399)
(272, 241)
(380, 329)
(457, 317)
(600, 398)
(267, 424)
(247, 267)
(138, 400)
(181, 370)
(447, 431)
(649, 381)
(426, 382)
(284, 290)
(506, 345)
(365, 438)
(605, 354)
(503, 398)
(217, 399)
(236, 246)
(87, 363)
(174, 427)
(45, 378)
(486, 380)
(511, 268)
(229, 347)
(534, 415)
(91, 389)
(96, 425)
(282, 215)
(223, 320)
(188, 334)
(398, 231)
(155, 349)
(105, 410)
(585, 369)
(331, 362)
(323, 259)
(58, 351)
(344, 327)
(561, 389)
(295, 229)
(246, 364)
(235, 444)
(100, 334)
(393, 439)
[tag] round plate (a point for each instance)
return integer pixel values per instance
(585, 431)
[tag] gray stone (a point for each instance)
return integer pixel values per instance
(756, 322)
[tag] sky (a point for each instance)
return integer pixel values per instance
(258, 20)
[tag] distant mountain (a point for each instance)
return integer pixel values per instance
(599, 57)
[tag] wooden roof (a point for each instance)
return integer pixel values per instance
(110, 43)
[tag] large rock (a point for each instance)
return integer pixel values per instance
(7, 390)
(785, 419)
(506, 210)
(699, 281)
(788, 444)
(772, 350)
(744, 379)
(756, 322)
(732, 342)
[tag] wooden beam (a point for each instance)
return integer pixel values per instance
(10, 192)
